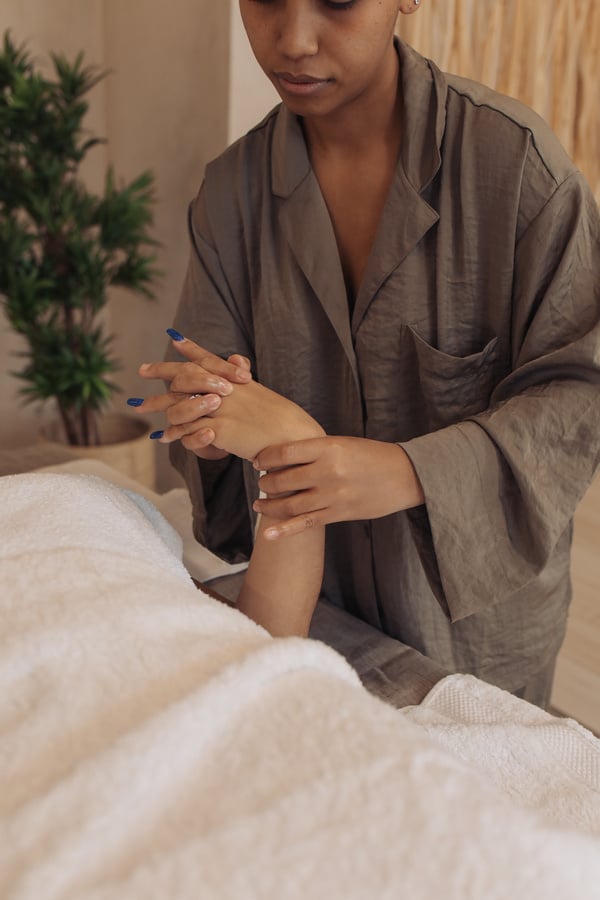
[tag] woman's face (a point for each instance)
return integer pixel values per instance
(322, 55)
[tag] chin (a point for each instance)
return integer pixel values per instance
(309, 107)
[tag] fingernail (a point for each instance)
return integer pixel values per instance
(223, 387)
(212, 401)
(135, 401)
(156, 435)
(175, 334)
(244, 373)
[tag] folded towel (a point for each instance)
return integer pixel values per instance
(545, 763)
(175, 506)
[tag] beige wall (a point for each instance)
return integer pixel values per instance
(66, 26)
(167, 110)
(251, 94)
(164, 107)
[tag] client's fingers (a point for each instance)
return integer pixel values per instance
(201, 440)
(241, 362)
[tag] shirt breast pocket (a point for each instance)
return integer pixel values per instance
(454, 387)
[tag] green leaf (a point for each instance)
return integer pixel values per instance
(61, 245)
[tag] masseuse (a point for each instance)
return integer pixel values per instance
(413, 260)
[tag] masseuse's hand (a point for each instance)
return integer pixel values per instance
(334, 479)
(195, 389)
(243, 419)
(247, 420)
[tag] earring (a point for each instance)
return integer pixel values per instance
(417, 2)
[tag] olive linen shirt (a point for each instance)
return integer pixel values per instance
(473, 342)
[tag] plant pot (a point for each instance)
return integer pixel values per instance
(125, 446)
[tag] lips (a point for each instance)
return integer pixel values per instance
(299, 79)
(300, 84)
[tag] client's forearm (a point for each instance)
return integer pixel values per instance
(283, 581)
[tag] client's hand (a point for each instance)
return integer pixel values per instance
(251, 418)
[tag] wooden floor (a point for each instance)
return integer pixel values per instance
(577, 683)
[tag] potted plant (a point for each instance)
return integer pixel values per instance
(61, 246)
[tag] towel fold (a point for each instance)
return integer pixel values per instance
(547, 764)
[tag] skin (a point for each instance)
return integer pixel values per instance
(242, 419)
(351, 53)
(282, 583)
(195, 390)
(351, 128)
(349, 48)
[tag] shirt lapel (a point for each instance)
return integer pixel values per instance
(407, 216)
(306, 225)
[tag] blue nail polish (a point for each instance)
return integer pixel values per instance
(156, 435)
(175, 334)
(135, 401)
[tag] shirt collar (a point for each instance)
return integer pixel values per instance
(424, 92)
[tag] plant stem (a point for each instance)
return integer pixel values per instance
(70, 431)
(89, 428)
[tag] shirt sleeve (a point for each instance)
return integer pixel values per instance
(210, 313)
(502, 486)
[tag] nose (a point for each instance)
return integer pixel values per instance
(297, 34)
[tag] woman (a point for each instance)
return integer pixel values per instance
(414, 260)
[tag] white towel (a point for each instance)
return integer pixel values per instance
(156, 744)
(174, 505)
(547, 764)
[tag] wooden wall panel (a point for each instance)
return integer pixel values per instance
(545, 52)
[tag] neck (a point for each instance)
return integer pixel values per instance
(370, 122)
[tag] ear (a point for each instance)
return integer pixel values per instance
(408, 7)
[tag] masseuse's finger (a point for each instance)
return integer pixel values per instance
(282, 456)
(180, 407)
(190, 409)
(236, 372)
(186, 378)
(203, 383)
(200, 427)
(198, 441)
